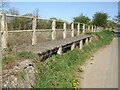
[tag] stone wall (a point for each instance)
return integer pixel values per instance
(20, 76)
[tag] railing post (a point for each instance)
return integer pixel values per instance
(78, 27)
(64, 30)
(92, 28)
(53, 30)
(83, 28)
(72, 29)
(34, 38)
(89, 28)
(4, 31)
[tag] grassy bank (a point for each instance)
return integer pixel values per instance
(58, 71)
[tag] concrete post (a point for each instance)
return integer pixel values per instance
(73, 46)
(88, 28)
(90, 39)
(83, 28)
(78, 27)
(34, 38)
(53, 30)
(64, 30)
(86, 41)
(95, 29)
(59, 51)
(4, 31)
(80, 44)
(92, 28)
(72, 28)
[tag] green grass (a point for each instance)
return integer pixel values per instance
(58, 71)
(12, 59)
(8, 59)
(25, 54)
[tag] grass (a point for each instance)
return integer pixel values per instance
(10, 60)
(21, 75)
(58, 71)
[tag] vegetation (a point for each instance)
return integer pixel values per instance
(10, 60)
(58, 71)
(82, 19)
(100, 19)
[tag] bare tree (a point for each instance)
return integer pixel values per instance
(3, 5)
(36, 12)
(13, 11)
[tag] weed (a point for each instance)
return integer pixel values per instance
(26, 54)
(58, 71)
(21, 75)
(8, 49)
(8, 59)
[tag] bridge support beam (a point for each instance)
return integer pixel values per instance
(60, 51)
(80, 44)
(64, 30)
(4, 30)
(86, 41)
(34, 37)
(90, 39)
(73, 46)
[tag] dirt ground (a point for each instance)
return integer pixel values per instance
(101, 71)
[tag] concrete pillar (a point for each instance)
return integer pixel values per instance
(72, 29)
(80, 44)
(34, 38)
(53, 30)
(4, 30)
(60, 51)
(83, 28)
(92, 28)
(73, 46)
(78, 27)
(86, 41)
(89, 28)
(90, 39)
(64, 30)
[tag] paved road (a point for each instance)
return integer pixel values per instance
(103, 73)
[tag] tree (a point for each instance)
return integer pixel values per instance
(3, 5)
(13, 11)
(111, 24)
(100, 19)
(81, 19)
(36, 12)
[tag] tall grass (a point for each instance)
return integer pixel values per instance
(58, 71)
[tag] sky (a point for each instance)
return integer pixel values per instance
(67, 10)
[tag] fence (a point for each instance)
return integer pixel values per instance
(34, 32)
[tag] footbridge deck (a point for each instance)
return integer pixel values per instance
(47, 49)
